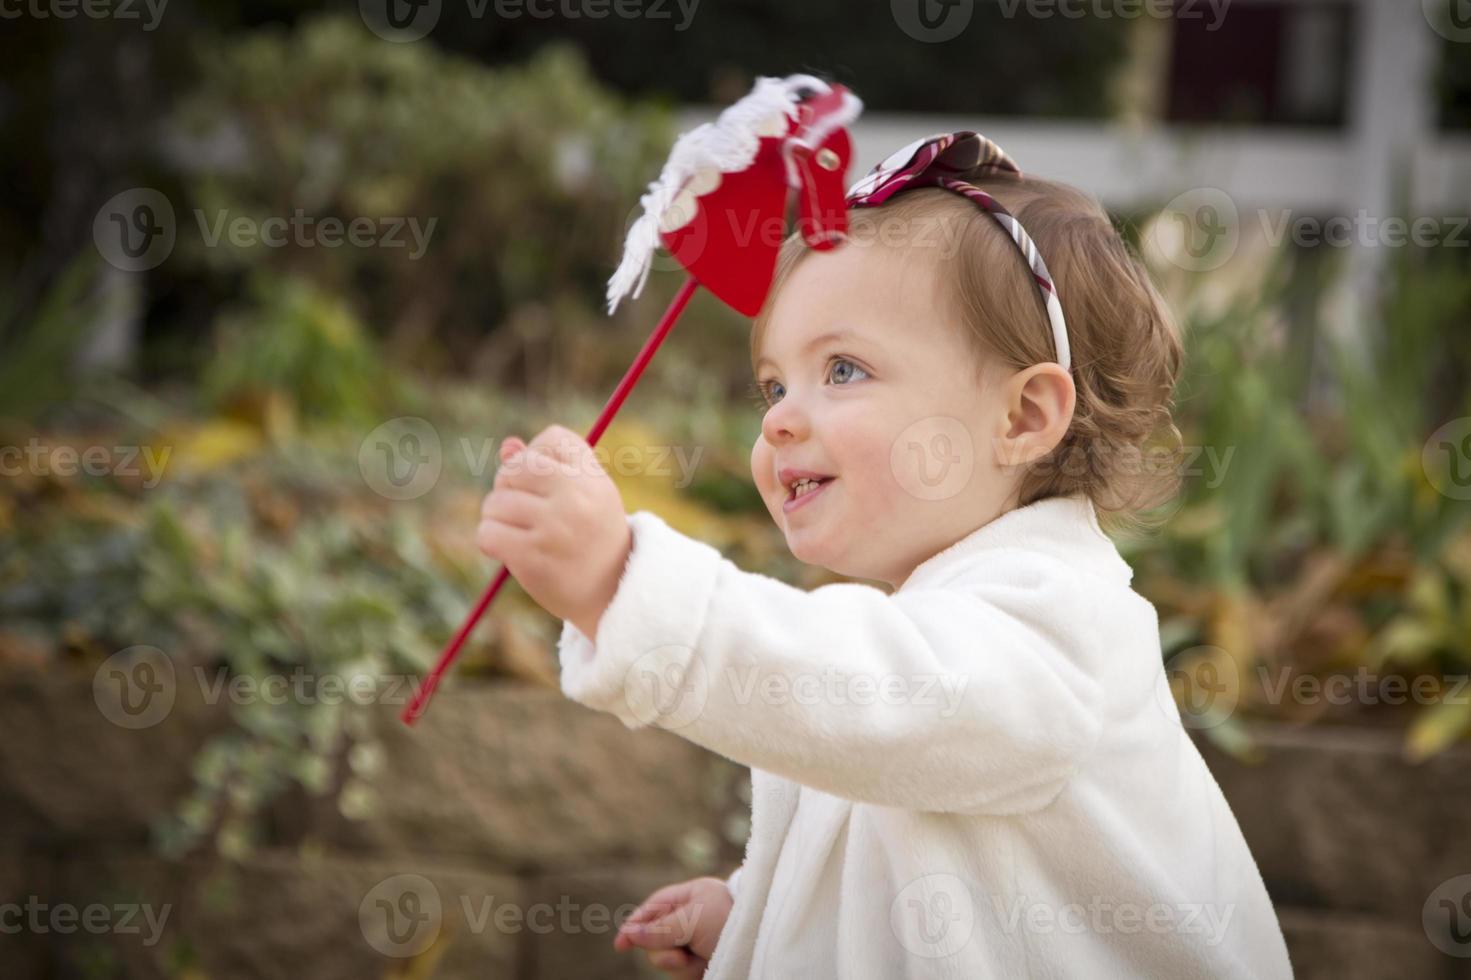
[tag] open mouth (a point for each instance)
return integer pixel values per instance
(805, 490)
(805, 486)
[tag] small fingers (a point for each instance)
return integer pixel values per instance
(497, 540)
(669, 959)
(518, 508)
(532, 470)
(561, 442)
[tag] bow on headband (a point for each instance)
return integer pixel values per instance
(719, 207)
(938, 161)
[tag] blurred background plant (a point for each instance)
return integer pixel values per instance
(1312, 541)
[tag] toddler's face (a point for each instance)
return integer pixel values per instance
(889, 410)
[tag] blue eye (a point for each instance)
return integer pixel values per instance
(843, 360)
(768, 393)
(764, 391)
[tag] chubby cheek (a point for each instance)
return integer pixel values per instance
(763, 471)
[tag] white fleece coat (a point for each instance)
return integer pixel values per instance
(981, 775)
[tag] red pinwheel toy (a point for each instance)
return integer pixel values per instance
(720, 208)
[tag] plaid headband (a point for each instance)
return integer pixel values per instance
(934, 162)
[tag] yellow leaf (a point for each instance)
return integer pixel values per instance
(1437, 728)
(211, 445)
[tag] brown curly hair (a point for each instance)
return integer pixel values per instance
(1122, 448)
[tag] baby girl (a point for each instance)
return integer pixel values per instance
(971, 767)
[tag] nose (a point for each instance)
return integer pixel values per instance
(786, 421)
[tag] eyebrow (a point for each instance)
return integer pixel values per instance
(814, 342)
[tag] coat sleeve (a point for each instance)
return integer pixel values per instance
(972, 698)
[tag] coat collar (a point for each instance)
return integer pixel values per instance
(1064, 527)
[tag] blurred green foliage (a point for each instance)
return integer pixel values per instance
(516, 184)
(1320, 544)
(293, 348)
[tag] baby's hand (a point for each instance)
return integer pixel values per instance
(556, 520)
(678, 926)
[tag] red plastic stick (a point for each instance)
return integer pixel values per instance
(681, 299)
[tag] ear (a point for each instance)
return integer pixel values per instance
(1038, 403)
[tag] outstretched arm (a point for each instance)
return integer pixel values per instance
(974, 698)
